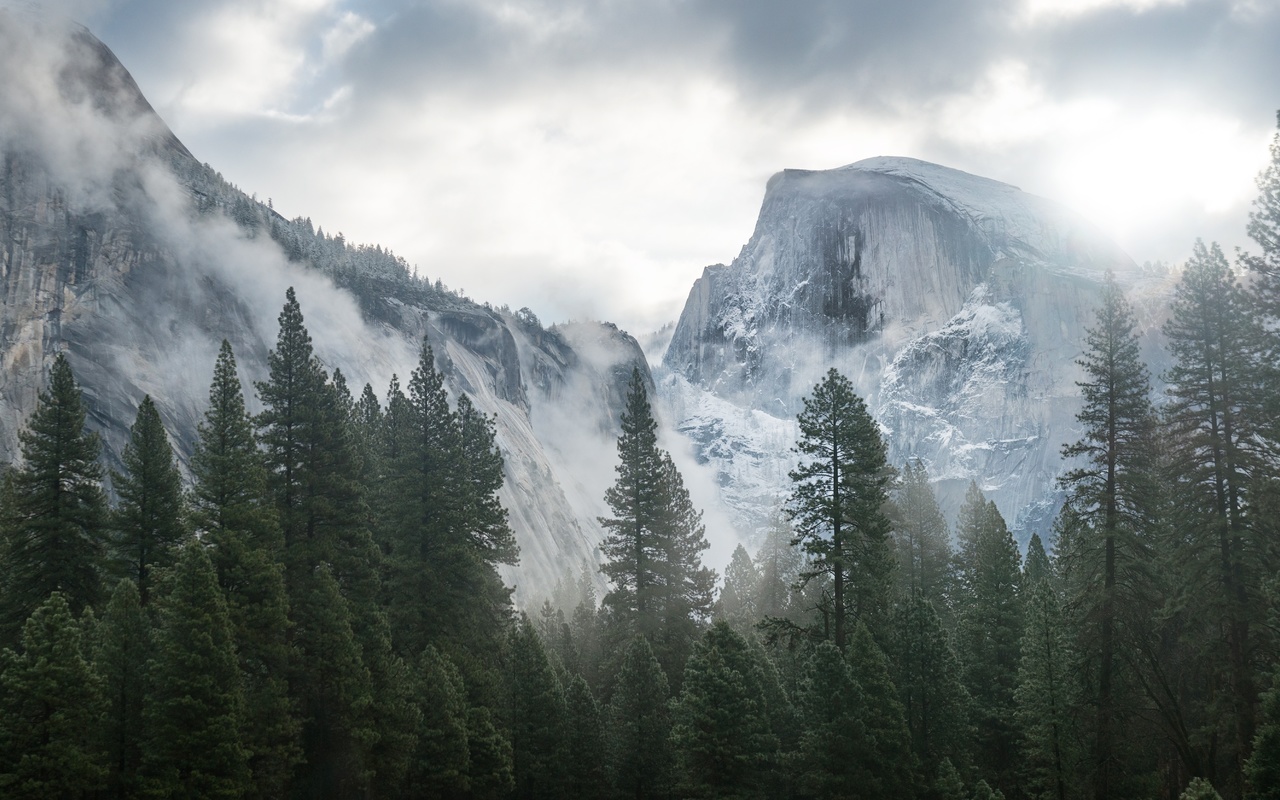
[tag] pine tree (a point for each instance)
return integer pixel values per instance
(736, 603)
(1109, 500)
(1262, 771)
(54, 513)
(585, 775)
(120, 657)
(537, 717)
(447, 530)
(922, 540)
(390, 721)
(837, 504)
(233, 515)
(780, 563)
(192, 712)
(927, 674)
(720, 732)
(585, 628)
(989, 629)
(147, 525)
(1215, 416)
(332, 690)
(50, 711)
(1036, 566)
(983, 791)
(311, 464)
(836, 751)
(653, 543)
(1199, 789)
(948, 785)
(229, 493)
(441, 760)
(639, 726)
(490, 776)
(893, 766)
(1045, 696)
(487, 527)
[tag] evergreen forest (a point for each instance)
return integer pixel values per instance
(318, 611)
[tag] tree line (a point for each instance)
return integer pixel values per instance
(319, 613)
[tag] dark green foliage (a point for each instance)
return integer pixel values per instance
(51, 709)
(948, 785)
(1046, 697)
(927, 674)
(585, 747)
(1036, 566)
(332, 687)
(233, 515)
(1262, 771)
(147, 524)
(229, 492)
(736, 603)
(894, 766)
(1109, 504)
(836, 750)
(121, 653)
(989, 629)
(441, 761)
(310, 460)
(446, 531)
(490, 775)
(1215, 417)
(639, 726)
(721, 732)
(537, 717)
(983, 791)
(837, 504)
(54, 514)
(653, 543)
(391, 720)
(922, 540)
(1199, 789)
(191, 715)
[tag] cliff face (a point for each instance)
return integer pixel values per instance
(118, 248)
(955, 303)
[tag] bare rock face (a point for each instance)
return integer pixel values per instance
(955, 303)
(121, 250)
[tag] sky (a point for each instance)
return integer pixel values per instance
(587, 158)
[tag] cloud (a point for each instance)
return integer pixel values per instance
(589, 157)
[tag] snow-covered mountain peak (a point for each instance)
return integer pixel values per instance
(957, 304)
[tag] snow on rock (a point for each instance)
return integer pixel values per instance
(956, 304)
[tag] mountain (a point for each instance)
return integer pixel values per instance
(120, 249)
(957, 305)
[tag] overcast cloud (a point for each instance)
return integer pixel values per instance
(587, 158)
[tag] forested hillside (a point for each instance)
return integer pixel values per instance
(319, 613)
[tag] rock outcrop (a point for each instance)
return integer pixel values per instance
(120, 249)
(956, 304)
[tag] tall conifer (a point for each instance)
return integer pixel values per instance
(837, 504)
(639, 726)
(989, 630)
(148, 524)
(122, 650)
(193, 709)
(1215, 415)
(653, 543)
(1109, 499)
(51, 708)
(54, 513)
